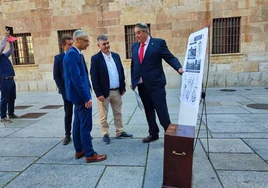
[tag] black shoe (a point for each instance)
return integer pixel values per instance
(66, 140)
(150, 138)
(106, 139)
(14, 116)
(124, 135)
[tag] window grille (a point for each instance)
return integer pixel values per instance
(226, 35)
(23, 49)
(130, 39)
(62, 33)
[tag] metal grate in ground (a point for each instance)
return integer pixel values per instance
(52, 107)
(22, 107)
(33, 115)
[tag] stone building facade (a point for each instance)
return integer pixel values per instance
(173, 20)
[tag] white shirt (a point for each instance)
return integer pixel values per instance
(112, 71)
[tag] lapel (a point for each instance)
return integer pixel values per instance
(117, 63)
(102, 61)
(149, 49)
(136, 53)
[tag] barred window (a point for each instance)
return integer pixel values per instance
(62, 33)
(130, 39)
(226, 35)
(23, 49)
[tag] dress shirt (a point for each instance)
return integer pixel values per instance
(145, 48)
(112, 71)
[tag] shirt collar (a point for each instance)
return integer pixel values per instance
(106, 56)
(148, 40)
(77, 50)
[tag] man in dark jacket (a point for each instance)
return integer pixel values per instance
(66, 43)
(108, 79)
(7, 83)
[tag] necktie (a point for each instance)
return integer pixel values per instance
(141, 52)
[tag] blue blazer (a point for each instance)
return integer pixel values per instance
(6, 68)
(77, 85)
(100, 76)
(58, 72)
(151, 69)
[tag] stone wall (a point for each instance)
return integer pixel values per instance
(173, 20)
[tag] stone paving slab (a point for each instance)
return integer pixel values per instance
(15, 163)
(204, 175)
(5, 177)
(240, 135)
(236, 127)
(119, 153)
(225, 161)
(121, 177)
(7, 131)
(254, 118)
(154, 170)
(20, 123)
(28, 147)
(69, 176)
(242, 179)
(223, 118)
(260, 146)
(48, 127)
(226, 110)
(226, 146)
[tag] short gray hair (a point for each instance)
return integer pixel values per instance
(143, 27)
(102, 37)
(79, 34)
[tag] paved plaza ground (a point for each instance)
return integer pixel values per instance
(32, 154)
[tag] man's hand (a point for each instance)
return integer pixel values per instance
(180, 71)
(88, 104)
(6, 33)
(101, 98)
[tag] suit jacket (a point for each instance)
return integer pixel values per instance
(77, 85)
(100, 76)
(58, 72)
(151, 69)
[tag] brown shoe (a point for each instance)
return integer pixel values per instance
(150, 138)
(79, 155)
(95, 158)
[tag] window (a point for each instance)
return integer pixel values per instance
(23, 49)
(130, 39)
(62, 33)
(226, 35)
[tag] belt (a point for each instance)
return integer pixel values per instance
(7, 78)
(114, 89)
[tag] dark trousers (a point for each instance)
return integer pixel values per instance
(68, 109)
(82, 127)
(155, 101)
(8, 96)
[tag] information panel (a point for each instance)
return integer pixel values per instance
(192, 77)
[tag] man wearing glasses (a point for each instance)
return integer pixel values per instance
(147, 74)
(77, 88)
(108, 79)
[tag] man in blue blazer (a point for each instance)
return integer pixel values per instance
(108, 79)
(66, 43)
(147, 74)
(77, 87)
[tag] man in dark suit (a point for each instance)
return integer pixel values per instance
(7, 83)
(77, 87)
(66, 43)
(108, 79)
(147, 74)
